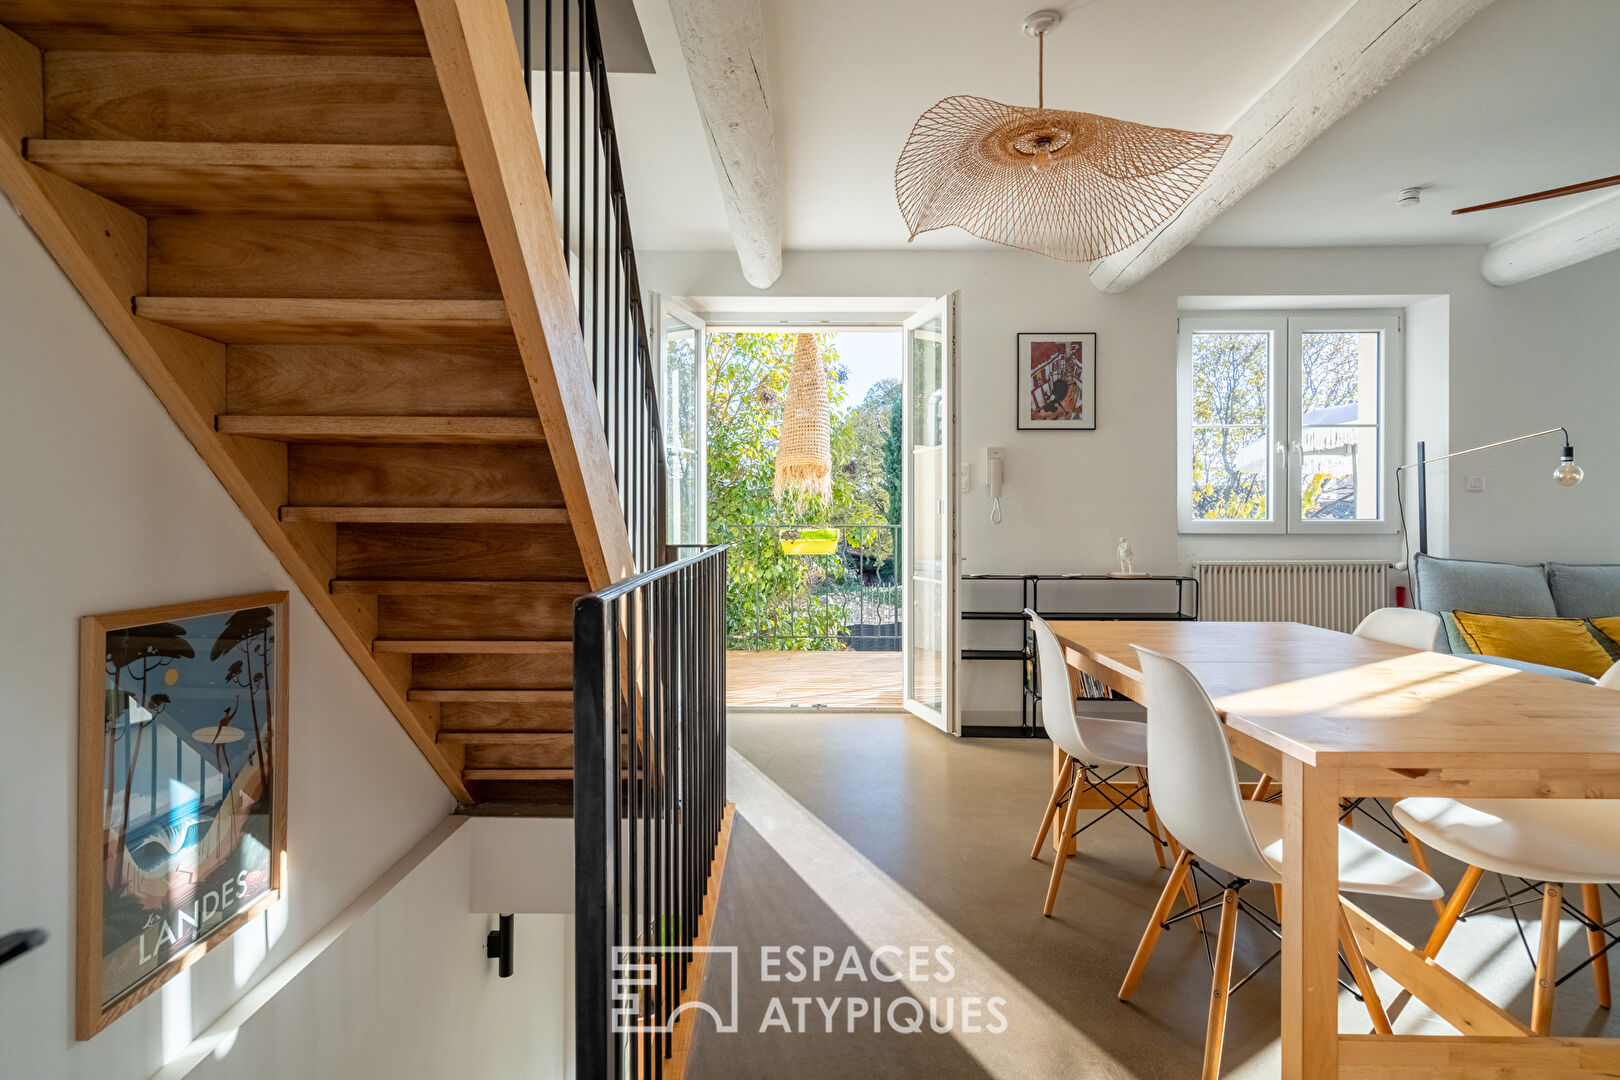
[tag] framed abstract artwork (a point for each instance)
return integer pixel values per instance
(1057, 382)
(182, 789)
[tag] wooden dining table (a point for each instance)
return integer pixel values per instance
(1332, 716)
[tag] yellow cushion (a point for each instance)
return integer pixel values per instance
(1562, 643)
(1610, 628)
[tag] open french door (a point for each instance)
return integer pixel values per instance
(928, 556)
(683, 388)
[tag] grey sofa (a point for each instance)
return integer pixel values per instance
(1550, 590)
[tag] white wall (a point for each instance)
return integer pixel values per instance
(1519, 359)
(407, 990)
(105, 506)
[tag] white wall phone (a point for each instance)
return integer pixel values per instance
(993, 477)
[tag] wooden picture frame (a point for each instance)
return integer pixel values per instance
(207, 855)
(1046, 363)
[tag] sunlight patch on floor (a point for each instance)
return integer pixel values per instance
(878, 911)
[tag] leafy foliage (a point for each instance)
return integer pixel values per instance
(1232, 412)
(774, 600)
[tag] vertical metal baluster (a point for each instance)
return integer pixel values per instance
(550, 70)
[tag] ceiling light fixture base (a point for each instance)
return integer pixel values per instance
(1042, 21)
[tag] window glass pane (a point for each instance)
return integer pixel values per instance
(680, 418)
(1339, 425)
(1231, 428)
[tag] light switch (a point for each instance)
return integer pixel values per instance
(1476, 483)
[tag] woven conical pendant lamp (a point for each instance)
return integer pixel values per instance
(1069, 185)
(804, 453)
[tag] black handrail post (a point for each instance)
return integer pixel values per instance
(595, 831)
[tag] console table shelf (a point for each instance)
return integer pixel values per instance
(1185, 597)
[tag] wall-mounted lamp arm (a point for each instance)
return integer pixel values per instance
(1568, 474)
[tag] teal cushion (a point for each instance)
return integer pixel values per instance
(1535, 669)
(1488, 588)
(1584, 592)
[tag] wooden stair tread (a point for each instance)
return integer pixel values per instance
(356, 27)
(508, 738)
(429, 515)
(511, 697)
(383, 587)
(411, 429)
(517, 774)
(249, 320)
(341, 180)
(542, 648)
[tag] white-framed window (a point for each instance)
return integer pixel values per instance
(1288, 421)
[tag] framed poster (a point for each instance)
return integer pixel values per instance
(1057, 382)
(182, 789)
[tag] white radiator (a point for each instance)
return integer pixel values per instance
(1336, 595)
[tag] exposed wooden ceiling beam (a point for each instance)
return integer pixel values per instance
(1585, 234)
(1374, 42)
(724, 45)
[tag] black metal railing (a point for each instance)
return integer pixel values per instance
(581, 151)
(811, 586)
(649, 797)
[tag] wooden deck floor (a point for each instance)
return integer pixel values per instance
(865, 680)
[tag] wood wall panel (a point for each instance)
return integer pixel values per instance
(201, 97)
(219, 255)
(497, 716)
(459, 552)
(522, 615)
(362, 474)
(494, 671)
(378, 380)
(543, 752)
(354, 27)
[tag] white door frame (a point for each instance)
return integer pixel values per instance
(946, 717)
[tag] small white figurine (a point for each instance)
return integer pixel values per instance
(1127, 557)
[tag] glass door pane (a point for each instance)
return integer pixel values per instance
(681, 341)
(929, 534)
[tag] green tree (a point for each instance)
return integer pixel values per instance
(894, 460)
(776, 600)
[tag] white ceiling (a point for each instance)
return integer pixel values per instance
(1523, 98)
(1520, 99)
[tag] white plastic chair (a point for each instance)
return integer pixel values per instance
(1202, 806)
(1412, 629)
(1402, 626)
(1543, 842)
(1086, 743)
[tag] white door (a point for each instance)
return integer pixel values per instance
(684, 390)
(928, 546)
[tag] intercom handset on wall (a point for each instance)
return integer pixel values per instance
(993, 476)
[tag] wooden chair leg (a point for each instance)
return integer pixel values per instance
(1152, 818)
(1155, 926)
(1052, 803)
(1592, 902)
(1364, 983)
(1262, 788)
(1220, 985)
(1059, 859)
(1541, 1004)
(1420, 859)
(1454, 909)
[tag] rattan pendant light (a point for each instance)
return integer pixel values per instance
(804, 452)
(1070, 185)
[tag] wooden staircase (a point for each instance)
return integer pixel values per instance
(321, 232)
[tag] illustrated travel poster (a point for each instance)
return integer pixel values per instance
(191, 719)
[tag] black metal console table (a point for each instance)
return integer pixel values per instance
(1186, 608)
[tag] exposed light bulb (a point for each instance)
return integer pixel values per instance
(1043, 153)
(1568, 474)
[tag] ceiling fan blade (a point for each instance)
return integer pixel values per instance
(1550, 193)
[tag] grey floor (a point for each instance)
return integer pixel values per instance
(872, 833)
